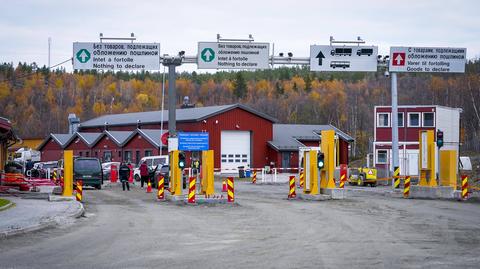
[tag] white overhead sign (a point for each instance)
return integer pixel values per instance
(233, 55)
(116, 56)
(343, 58)
(425, 59)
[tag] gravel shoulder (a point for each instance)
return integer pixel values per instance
(265, 230)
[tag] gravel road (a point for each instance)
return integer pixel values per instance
(265, 230)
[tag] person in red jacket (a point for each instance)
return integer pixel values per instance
(143, 173)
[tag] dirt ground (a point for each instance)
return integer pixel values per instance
(369, 229)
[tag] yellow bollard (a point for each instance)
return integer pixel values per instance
(68, 173)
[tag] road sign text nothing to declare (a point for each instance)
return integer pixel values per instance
(233, 55)
(343, 58)
(116, 56)
(425, 59)
(193, 141)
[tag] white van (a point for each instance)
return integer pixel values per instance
(152, 162)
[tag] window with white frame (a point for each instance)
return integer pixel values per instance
(400, 119)
(428, 119)
(383, 120)
(414, 119)
(382, 155)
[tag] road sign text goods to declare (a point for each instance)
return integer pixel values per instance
(233, 55)
(116, 56)
(427, 59)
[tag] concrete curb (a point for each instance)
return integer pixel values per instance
(42, 225)
(7, 206)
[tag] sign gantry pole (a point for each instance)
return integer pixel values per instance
(395, 153)
(172, 62)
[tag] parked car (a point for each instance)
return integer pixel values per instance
(107, 168)
(89, 170)
(40, 170)
(152, 162)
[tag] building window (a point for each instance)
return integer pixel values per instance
(96, 154)
(148, 153)
(87, 154)
(400, 119)
(383, 120)
(382, 156)
(80, 153)
(107, 156)
(428, 119)
(413, 119)
(127, 156)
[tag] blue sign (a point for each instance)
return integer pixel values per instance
(193, 141)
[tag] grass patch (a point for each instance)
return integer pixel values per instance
(4, 202)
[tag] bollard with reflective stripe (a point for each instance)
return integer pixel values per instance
(161, 188)
(302, 179)
(342, 182)
(396, 177)
(292, 193)
(55, 176)
(464, 187)
(191, 190)
(343, 175)
(230, 190)
(406, 187)
(254, 177)
(79, 189)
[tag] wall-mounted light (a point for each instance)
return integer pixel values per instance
(216, 121)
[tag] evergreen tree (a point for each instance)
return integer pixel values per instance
(240, 89)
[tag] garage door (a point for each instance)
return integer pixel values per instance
(235, 149)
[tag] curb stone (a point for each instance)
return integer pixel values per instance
(42, 225)
(7, 206)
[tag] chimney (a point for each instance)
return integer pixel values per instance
(73, 123)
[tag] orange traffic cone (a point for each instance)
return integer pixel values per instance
(149, 187)
(224, 186)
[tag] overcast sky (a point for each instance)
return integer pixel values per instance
(293, 26)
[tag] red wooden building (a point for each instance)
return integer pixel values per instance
(238, 134)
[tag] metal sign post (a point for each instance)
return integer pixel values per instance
(172, 62)
(419, 60)
(395, 153)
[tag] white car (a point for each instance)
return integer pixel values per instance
(152, 162)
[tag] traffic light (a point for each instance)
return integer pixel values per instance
(439, 139)
(320, 160)
(181, 160)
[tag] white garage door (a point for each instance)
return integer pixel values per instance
(235, 149)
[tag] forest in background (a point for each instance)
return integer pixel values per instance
(38, 101)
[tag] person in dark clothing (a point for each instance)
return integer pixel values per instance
(124, 172)
(28, 165)
(143, 173)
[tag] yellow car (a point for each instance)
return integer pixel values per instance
(363, 177)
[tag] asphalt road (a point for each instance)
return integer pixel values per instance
(367, 230)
